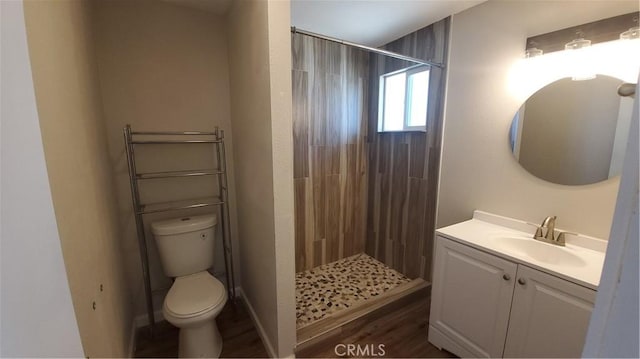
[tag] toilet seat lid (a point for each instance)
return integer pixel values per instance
(194, 294)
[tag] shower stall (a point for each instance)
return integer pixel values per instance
(365, 200)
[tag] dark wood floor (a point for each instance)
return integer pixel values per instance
(402, 330)
(239, 336)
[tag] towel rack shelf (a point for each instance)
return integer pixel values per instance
(176, 206)
(131, 140)
(168, 142)
(187, 173)
(172, 133)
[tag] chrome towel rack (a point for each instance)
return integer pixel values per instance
(219, 169)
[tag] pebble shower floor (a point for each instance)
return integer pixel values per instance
(340, 285)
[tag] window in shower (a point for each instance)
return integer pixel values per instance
(403, 100)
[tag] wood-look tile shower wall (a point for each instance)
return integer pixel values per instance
(403, 167)
(330, 152)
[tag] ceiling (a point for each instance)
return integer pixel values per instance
(371, 22)
(368, 22)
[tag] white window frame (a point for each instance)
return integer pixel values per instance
(407, 94)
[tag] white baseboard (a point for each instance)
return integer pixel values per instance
(256, 322)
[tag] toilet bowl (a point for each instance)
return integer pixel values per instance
(192, 304)
(186, 248)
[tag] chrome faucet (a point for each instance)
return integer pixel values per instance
(549, 237)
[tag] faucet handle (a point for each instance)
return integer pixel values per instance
(561, 237)
(538, 233)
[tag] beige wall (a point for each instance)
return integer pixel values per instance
(259, 58)
(162, 67)
(478, 171)
(80, 173)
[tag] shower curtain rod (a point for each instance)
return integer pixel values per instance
(295, 30)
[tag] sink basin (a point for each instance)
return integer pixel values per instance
(580, 261)
(539, 251)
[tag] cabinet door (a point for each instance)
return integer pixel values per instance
(471, 299)
(549, 316)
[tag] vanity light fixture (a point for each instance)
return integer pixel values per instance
(581, 68)
(577, 44)
(632, 33)
(533, 52)
(614, 51)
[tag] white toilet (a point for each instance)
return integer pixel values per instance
(186, 248)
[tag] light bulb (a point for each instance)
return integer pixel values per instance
(632, 33)
(581, 68)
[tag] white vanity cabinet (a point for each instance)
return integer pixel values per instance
(486, 306)
(549, 316)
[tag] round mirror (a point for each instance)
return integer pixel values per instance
(573, 132)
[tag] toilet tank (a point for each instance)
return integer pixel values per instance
(185, 244)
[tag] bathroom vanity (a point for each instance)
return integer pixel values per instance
(497, 292)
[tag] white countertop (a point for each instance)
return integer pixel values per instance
(484, 230)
